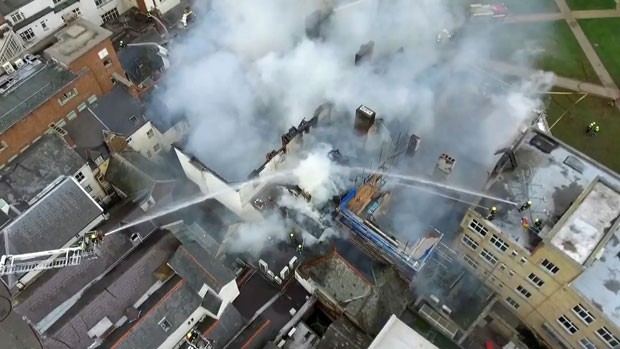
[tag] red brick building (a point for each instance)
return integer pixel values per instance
(42, 95)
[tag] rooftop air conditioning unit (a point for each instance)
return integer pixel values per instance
(8, 68)
(19, 63)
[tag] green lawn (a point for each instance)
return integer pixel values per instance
(571, 128)
(604, 35)
(550, 46)
(520, 7)
(591, 4)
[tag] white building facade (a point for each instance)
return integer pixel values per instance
(35, 20)
(149, 141)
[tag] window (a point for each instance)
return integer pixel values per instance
(110, 15)
(502, 267)
(148, 154)
(3, 146)
(92, 99)
(511, 273)
(586, 343)
(514, 253)
(156, 148)
(77, 12)
(133, 119)
(499, 243)
(611, 340)
(105, 57)
(82, 106)
(128, 139)
(44, 24)
(17, 17)
(472, 263)
(88, 188)
(27, 34)
(478, 227)
(535, 280)
(523, 260)
(67, 96)
(523, 291)
(512, 303)
(488, 256)
(568, 325)
(72, 115)
(550, 267)
(470, 242)
(79, 176)
(583, 314)
(100, 3)
(165, 324)
(150, 133)
(99, 160)
(56, 2)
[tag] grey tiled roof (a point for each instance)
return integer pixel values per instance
(176, 306)
(36, 168)
(229, 323)
(8, 6)
(198, 267)
(343, 334)
(212, 302)
(116, 292)
(32, 92)
(53, 220)
(135, 175)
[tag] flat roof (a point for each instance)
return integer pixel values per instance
(35, 90)
(77, 39)
(588, 223)
(551, 175)
(397, 335)
(600, 282)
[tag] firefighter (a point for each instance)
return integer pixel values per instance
(525, 206)
(595, 130)
(292, 236)
(188, 16)
(538, 223)
(300, 248)
(525, 223)
(591, 127)
(492, 213)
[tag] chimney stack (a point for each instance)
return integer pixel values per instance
(444, 167)
(364, 119)
(365, 53)
(412, 146)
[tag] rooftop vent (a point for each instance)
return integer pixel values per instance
(574, 163)
(543, 143)
(364, 119)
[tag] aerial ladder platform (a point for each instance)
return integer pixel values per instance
(87, 248)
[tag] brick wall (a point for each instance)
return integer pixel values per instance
(37, 123)
(102, 74)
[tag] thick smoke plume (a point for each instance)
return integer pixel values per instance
(246, 72)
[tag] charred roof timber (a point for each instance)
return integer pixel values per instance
(365, 53)
(364, 119)
(287, 137)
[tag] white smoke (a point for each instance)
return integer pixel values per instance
(319, 176)
(245, 73)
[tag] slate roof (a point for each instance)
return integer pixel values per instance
(175, 306)
(8, 6)
(32, 92)
(225, 328)
(141, 62)
(199, 267)
(135, 175)
(53, 220)
(343, 334)
(115, 293)
(36, 168)
(111, 113)
(212, 302)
